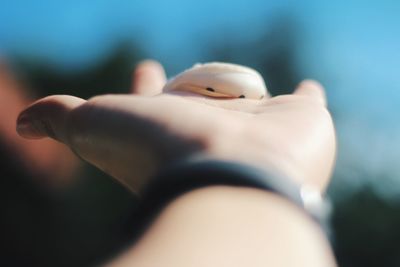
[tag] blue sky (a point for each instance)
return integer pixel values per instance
(353, 47)
(75, 32)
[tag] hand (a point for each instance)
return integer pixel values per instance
(131, 137)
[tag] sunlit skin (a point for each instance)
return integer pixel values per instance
(131, 137)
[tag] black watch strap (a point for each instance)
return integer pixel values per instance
(186, 176)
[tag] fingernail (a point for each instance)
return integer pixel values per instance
(27, 129)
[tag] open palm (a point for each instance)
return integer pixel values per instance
(131, 137)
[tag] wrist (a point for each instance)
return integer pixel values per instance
(183, 177)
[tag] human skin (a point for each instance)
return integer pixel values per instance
(131, 137)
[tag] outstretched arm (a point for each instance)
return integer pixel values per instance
(133, 137)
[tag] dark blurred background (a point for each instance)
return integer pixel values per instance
(58, 211)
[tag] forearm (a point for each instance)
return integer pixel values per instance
(230, 226)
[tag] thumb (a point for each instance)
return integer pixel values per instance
(103, 131)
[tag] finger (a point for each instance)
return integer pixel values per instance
(148, 78)
(312, 89)
(47, 117)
